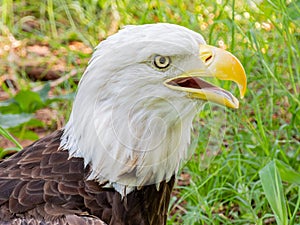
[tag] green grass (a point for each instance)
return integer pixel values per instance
(246, 167)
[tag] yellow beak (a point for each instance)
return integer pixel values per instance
(219, 64)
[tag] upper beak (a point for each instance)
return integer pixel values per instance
(219, 64)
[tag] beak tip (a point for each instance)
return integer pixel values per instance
(243, 88)
(242, 94)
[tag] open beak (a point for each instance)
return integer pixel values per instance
(219, 64)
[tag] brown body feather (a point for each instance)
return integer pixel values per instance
(41, 185)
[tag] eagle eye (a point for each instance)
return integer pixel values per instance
(161, 62)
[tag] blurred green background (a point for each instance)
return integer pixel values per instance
(253, 175)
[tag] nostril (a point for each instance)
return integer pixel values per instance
(208, 58)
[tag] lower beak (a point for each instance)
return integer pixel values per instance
(219, 64)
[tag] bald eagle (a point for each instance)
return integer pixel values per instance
(116, 159)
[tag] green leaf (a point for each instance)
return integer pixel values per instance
(35, 123)
(14, 120)
(28, 135)
(44, 92)
(287, 173)
(28, 101)
(9, 107)
(272, 185)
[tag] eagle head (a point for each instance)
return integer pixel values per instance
(132, 116)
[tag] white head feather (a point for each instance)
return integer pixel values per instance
(125, 123)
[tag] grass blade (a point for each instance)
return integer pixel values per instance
(7, 135)
(273, 189)
(287, 173)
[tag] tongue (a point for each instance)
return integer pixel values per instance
(191, 82)
(196, 83)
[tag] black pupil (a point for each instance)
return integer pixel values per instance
(162, 60)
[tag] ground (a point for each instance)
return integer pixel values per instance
(246, 166)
